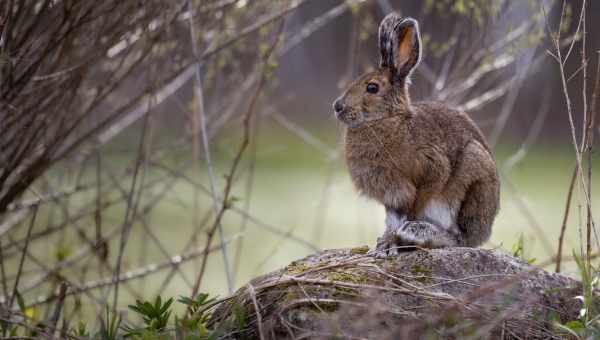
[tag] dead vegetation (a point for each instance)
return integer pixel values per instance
(457, 293)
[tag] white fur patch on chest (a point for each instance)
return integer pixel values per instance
(440, 213)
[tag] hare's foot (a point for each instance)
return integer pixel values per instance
(425, 234)
(388, 244)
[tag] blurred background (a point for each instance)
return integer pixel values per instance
(177, 147)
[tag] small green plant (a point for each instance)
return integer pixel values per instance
(518, 250)
(29, 316)
(587, 326)
(81, 330)
(155, 316)
(109, 327)
(197, 305)
(195, 323)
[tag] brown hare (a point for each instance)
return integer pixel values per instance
(428, 164)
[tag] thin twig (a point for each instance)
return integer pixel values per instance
(561, 63)
(245, 141)
(62, 294)
(252, 294)
(134, 274)
(255, 126)
(590, 143)
(563, 228)
(199, 96)
(130, 211)
(22, 261)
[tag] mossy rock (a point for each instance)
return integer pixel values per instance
(450, 293)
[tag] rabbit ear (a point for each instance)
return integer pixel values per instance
(399, 44)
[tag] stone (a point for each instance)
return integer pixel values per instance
(449, 293)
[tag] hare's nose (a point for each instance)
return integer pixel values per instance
(338, 106)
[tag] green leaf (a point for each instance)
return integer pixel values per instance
(240, 316)
(568, 330)
(20, 302)
(166, 306)
(185, 300)
(575, 325)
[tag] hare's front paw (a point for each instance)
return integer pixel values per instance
(389, 244)
(424, 234)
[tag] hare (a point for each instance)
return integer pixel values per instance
(428, 164)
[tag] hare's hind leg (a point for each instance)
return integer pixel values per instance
(480, 202)
(478, 211)
(402, 234)
(426, 234)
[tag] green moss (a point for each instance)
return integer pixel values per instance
(422, 273)
(298, 268)
(359, 250)
(313, 293)
(347, 277)
(344, 292)
(329, 307)
(291, 294)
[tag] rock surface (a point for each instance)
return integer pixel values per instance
(452, 293)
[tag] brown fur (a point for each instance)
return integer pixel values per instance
(407, 156)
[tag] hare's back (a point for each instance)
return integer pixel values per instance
(456, 125)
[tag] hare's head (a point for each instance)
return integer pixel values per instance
(383, 93)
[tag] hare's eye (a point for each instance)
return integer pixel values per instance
(372, 88)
